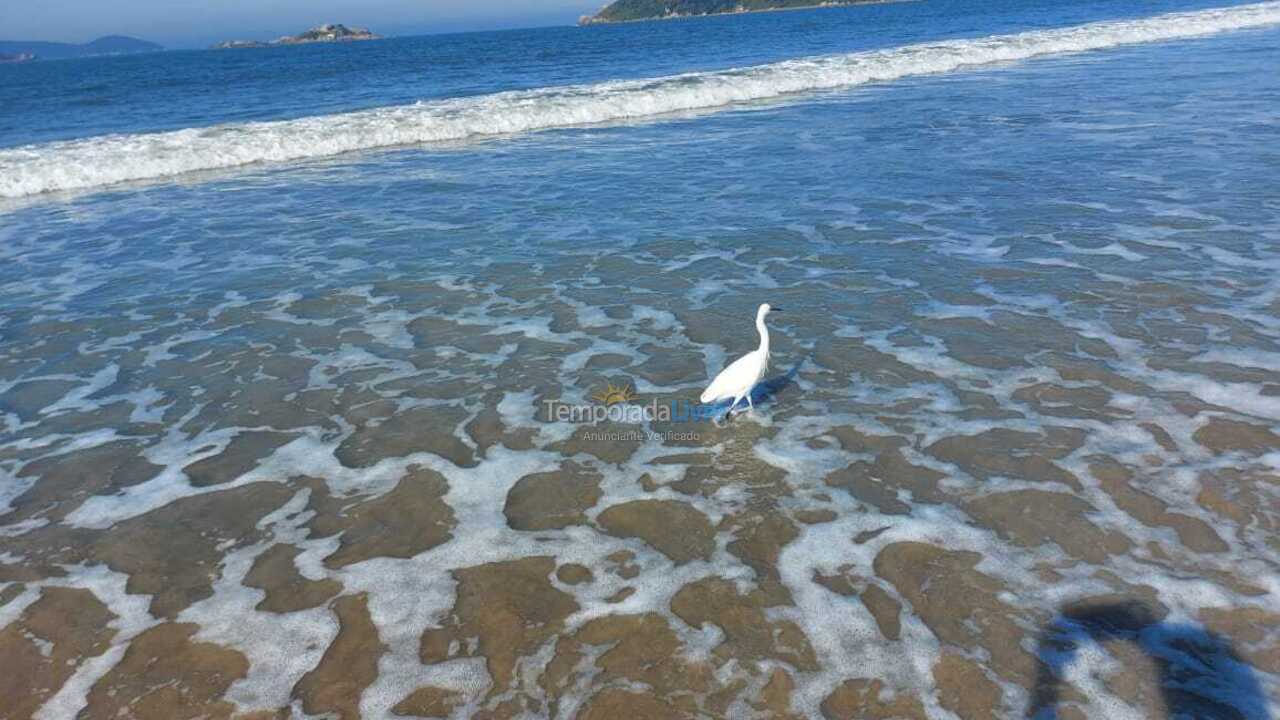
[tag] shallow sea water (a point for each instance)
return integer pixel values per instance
(274, 441)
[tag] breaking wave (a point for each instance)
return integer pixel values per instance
(94, 162)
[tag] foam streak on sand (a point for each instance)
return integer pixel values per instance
(100, 161)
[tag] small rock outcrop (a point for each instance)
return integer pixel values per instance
(320, 34)
(638, 10)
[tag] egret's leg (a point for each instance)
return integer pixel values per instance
(750, 404)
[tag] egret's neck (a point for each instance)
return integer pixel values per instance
(764, 333)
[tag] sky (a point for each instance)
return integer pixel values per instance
(198, 23)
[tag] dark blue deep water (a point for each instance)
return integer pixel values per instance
(78, 98)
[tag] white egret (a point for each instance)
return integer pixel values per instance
(737, 380)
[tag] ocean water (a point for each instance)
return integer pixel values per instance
(283, 332)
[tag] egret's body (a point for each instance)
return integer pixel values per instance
(736, 381)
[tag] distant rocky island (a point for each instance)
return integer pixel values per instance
(319, 34)
(13, 51)
(636, 10)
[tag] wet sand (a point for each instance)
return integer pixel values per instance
(337, 523)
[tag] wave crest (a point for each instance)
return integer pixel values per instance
(99, 161)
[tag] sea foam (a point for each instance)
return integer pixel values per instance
(98, 161)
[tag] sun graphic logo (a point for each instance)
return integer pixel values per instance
(612, 395)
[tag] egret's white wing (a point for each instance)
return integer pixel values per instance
(734, 380)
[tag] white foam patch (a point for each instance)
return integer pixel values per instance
(174, 452)
(163, 351)
(1241, 358)
(390, 327)
(1113, 249)
(408, 596)
(11, 488)
(281, 648)
(99, 161)
(1086, 672)
(132, 617)
(147, 404)
(77, 399)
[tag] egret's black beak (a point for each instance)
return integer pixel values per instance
(775, 309)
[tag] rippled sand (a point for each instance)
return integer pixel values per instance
(349, 502)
